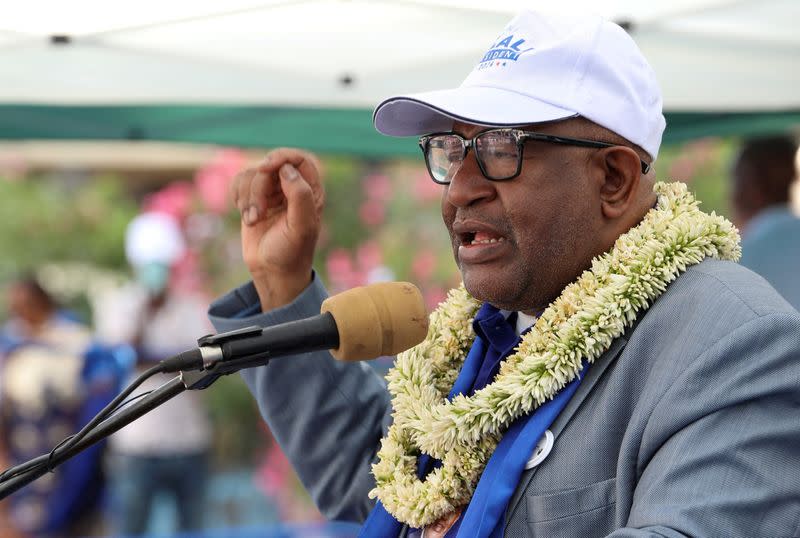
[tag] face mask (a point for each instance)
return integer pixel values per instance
(153, 276)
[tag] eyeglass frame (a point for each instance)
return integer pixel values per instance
(520, 136)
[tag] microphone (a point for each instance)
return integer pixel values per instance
(359, 324)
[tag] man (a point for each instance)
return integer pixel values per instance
(148, 458)
(655, 395)
(763, 173)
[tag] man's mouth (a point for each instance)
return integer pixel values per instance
(480, 238)
(478, 246)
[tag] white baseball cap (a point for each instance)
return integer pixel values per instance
(544, 67)
(153, 238)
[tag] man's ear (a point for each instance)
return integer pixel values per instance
(622, 170)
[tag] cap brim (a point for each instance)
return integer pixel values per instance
(429, 112)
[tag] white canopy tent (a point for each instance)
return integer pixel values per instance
(155, 69)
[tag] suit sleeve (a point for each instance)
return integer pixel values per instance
(719, 456)
(328, 416)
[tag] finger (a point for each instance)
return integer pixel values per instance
(310, 168)
(306, 163)
(319, 190)
(240, 190)
(280, 156)
(301, 215)
(265, 195)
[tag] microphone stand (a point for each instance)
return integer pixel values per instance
(186, 380)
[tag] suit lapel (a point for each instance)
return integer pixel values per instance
(595, 372)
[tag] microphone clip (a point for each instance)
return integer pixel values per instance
(216, 339)
(209, 353)
(210, 345)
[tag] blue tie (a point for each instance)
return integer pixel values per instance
(499, 332)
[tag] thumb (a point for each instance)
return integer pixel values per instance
(301, 217)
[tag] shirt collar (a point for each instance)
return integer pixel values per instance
(523, 323)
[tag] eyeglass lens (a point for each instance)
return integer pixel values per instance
(445, 157)
(497, 152)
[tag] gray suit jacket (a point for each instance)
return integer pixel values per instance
(689, 425)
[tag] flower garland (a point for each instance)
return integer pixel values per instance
(580, 324)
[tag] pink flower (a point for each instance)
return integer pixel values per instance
(272, 476)
(695, 156)
(213, 180)
(13, 168)
(433, 296)
(187, 274)
(372, 213)
(341, 272)
(378, 187)
(369, 255)
(213, 190)
(682, 169)
(423, 265)
(424, 189)
(175, 200)
(339, 261)
(229, 161)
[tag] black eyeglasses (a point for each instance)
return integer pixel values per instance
(498, 152)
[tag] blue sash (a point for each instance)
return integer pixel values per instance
(484, 514)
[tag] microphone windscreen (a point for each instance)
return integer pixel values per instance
(377, 320)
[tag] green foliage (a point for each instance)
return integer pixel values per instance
(235, 416)
(704, 165)
(47, 220)
(342, 177)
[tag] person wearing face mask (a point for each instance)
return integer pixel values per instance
(606, 369)
(167, 449)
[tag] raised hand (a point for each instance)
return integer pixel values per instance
(280, 201)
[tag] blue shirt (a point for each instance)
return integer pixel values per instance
(771, 248)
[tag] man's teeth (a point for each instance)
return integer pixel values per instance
(487, 241)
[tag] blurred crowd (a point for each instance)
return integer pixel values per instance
(58, 369)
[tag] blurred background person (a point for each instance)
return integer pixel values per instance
(763, 173)
(166, 451)
(54, 380)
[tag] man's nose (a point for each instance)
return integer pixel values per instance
(469, 186)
